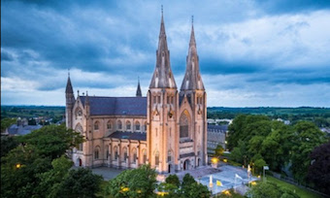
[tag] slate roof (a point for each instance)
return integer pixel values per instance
(129, 135)
(217, 127)
(134, 106)
(22, 130)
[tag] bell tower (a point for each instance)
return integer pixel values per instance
(162, 111)
(193, 92)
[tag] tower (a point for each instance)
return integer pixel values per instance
(193, 104)
(162, 110)
(70, 100)
(138, 90)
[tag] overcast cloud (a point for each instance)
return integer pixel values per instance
(252, 52)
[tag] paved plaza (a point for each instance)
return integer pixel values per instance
(223, 178)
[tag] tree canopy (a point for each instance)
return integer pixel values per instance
(259, 141)
(319, 170)
(22, 167)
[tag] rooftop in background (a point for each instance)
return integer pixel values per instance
(22, 130)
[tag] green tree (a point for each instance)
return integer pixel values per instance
(140, 182)
(79, 182)
(259, 163)
(319, 170)
(240, 153)
(187, 181)
(308, 137)
(7, 143)
(173, 179)
(196, 190)
(229, 194)
(19, 170)
(6, 122)
(218, 151)
(270, 190)
(276, 146)
(170, 190)
(21, 167)
(51, 180)
(190, 188)
(53, 140)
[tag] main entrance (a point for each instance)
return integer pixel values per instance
(186, 164)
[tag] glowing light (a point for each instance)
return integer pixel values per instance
(162, 193)
(225, 160)
(124, 189)
(253, 183)
(18, 165)
(226, 192)
(214, 160)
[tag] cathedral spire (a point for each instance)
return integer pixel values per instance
(192, 79)
(192, 34)
(162, 77)
(138, 90)
(69, 85)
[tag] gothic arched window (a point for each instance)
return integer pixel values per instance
(128, 125)
(119, 125)
(169, 156)
(96, 125)
(109, 125)
(157, 158)
(115, 153)
(96, 152)
(125, 154)
(134, 155)
(137, 126)
(184, 126)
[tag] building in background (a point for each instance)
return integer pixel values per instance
(216, 134)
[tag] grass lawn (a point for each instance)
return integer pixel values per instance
(301, 192)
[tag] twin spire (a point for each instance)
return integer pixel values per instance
(163, 76)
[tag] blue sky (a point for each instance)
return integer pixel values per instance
(251, 52)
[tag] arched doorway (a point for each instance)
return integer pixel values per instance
(79, 162)
(186, 164)
(199, 162)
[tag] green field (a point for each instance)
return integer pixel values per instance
(300, 191)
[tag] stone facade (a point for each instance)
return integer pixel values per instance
(167, 129)
(216, 134)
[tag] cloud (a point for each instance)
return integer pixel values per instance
(249, 50)
(283, 6)
(6, 56)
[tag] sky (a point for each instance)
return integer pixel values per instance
(251, 52)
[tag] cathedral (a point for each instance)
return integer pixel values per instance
(167, 129)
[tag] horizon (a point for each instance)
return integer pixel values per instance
(316, 107)
(252, 53)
